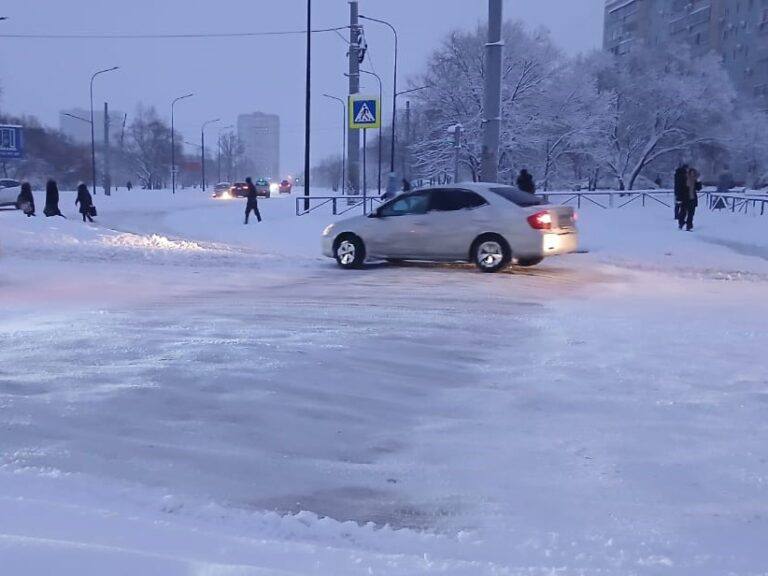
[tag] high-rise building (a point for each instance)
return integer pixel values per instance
(735, 29)
(77, 125)
(260, 135)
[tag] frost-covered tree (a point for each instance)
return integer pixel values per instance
(232, 151)
(662, 102)
(150, 147)
(456, 75)
(748, 144)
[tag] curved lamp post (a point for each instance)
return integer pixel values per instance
(173, 140)
(93, 127)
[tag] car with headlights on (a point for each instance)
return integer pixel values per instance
(490, 225)
(222, 190)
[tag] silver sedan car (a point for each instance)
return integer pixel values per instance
(491, 225)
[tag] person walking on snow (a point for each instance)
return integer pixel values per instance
(681, 188)
(26, 200)
(525, 182)
(253, 201)
(691, 200)
(85, 200)
(52, 199)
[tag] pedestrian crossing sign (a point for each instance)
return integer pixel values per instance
(364, 112)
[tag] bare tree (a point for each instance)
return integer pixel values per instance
(150, 144)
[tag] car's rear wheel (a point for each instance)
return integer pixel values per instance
(491, 253)
(528, 262)
(349, 252)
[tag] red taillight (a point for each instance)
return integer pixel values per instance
(540, 221)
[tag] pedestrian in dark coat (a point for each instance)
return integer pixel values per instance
(407, 185)
(690, 201)
(253, 201)
(681, 188)
(525, 182)
(85, 200)
(52, 199)
(26, 200)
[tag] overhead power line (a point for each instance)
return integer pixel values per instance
(168, 36)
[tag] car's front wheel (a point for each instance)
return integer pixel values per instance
(491, 253)
(349, 252)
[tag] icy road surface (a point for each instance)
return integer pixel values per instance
(182, 395)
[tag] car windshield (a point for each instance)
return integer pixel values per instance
(9, 184)
(522, 199)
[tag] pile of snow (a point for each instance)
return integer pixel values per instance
(151, 242)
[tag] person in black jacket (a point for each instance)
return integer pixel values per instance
(525, 182)
(690, 201)
(681, 188)
(85, 200)
(52, 199)
(26, 200)
(253, 201)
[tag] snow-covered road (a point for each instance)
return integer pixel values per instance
(180, 394)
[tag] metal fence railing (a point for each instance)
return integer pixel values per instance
(339, 204)
(751, 204)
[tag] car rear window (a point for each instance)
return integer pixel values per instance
(522, 199)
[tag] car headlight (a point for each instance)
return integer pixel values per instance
(274, 188)
(328, 230)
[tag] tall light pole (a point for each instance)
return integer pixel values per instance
(489, 156)
(343, 141)
(308, 107)
(173, 140)
(381, 124)
(391, 184)
(93, 128)
(202, 150)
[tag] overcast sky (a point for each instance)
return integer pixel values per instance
(232, 76)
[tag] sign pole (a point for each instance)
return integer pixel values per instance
(365, 170)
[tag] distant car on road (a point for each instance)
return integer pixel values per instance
(221, 190)
(9, 193)
(262, 188)
(286, 187)
(491, 225)
(239, 190)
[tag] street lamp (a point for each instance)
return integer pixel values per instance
(93, 128)
(343, 142)
(173, 141)
(391, 185)
(76, 117)
(202, 151)
(381, 96)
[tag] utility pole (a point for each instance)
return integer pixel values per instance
(492, 111)
(308, 108)
(365, 170)
(107, 174)
(456, 130)
(407, 147)
(353, 136)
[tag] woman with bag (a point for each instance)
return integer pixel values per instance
(84, 198)
(26, 200)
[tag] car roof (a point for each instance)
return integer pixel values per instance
(472, 186)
